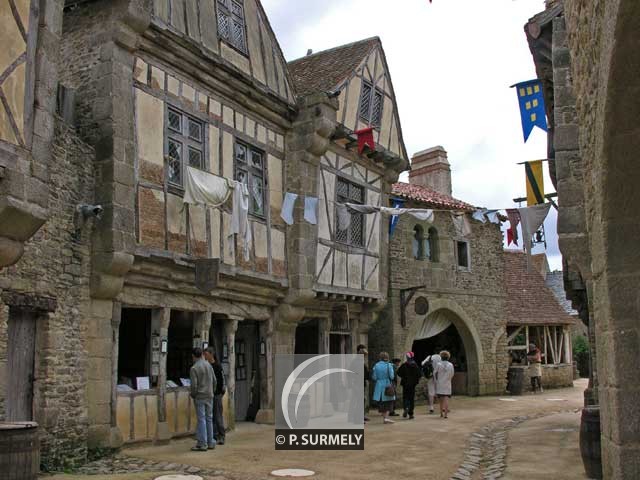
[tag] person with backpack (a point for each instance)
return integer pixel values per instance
(429, 364)
(410, 374)
(384, 392)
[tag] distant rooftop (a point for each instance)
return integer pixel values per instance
(326, 70)
(429, 197)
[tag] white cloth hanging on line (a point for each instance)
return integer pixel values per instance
(287, 207)
(433, 325)
(531, 218)
(240, 217)
(479, 215)
(311, 209)
(204, 188)
(423, 214)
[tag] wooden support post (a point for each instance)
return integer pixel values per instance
(544, 335)
(115, 326)
(160, 318)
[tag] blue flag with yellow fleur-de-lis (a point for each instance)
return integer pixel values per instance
(531, 100)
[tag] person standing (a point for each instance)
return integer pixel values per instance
(218, 395)
(203, 384)
(410, 374)
(429, 365)
(443, 374)
(362, 350)
(534, 357)
(384, 392)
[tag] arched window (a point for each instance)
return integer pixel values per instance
(418, 242)
(432, 245)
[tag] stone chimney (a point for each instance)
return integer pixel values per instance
(430, 168)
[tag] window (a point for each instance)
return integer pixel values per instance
(433, 247)
(348, 192)
(371, 100)
(185, 145)
(231, 27)
(418, 243)
(463, 254)
(249, 165)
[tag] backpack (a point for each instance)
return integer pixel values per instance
(427, 369)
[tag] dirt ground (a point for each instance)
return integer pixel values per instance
(427, 447)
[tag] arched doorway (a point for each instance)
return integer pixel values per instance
(444, 329)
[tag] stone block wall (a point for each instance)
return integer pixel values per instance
(557, 376)
(474, 298)
(56, 266)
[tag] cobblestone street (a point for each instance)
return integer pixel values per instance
(485, 438)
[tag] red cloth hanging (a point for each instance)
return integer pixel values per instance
(365, 137)
(510, 238)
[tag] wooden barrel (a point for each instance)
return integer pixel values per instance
(515, 384)
(19, 451)
(590, 442)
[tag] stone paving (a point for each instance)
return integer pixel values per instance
(473, 444)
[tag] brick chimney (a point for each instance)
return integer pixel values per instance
(430, 168)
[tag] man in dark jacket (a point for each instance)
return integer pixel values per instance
(218, 394)
(410, 374)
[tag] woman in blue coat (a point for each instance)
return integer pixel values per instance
(382, 374)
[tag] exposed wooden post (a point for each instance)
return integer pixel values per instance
(201, 326)
(160, 318)
(115, 326)
(230, 328)
(544, 335)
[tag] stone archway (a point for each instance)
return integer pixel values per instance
(613, 206)
(467, 332)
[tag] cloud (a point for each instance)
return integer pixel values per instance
(452, 63)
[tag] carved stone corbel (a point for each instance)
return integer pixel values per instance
(109, 270)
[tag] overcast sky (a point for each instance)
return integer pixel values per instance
(451, 63)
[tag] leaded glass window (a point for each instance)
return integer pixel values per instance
(371, 101)
(231, 24)
(347, 192)
(184, 145)
(249, 167)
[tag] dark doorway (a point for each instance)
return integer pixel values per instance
(307, 337)
(134, 336)
(180, 346)
(21, 364)
(451, 341)
(248, 371)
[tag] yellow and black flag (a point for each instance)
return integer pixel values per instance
(535, 182)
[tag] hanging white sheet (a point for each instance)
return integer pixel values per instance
(433, 325)
(204, 188)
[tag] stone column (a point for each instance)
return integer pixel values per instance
(160, 318)
(230, 327)
(324, 330)
(100, 372)
(116, 439)
(201, 326)
(281, 334)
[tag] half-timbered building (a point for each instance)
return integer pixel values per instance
(125, 277)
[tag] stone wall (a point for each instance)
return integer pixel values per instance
(56, 266)
(474, 298)
(557, 376)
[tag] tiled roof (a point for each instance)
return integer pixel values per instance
(324, 71)
(555, 282)
(428, 197)
(529, 300)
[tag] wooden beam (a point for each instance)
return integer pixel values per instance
(514, 334)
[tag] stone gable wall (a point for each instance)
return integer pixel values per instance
(56, 265)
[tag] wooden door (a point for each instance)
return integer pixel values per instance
(21, 362)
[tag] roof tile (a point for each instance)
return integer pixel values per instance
(429, 197)
(326, 70)
(529, 300)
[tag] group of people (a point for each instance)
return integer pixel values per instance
(436, 368)
(207, 389)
